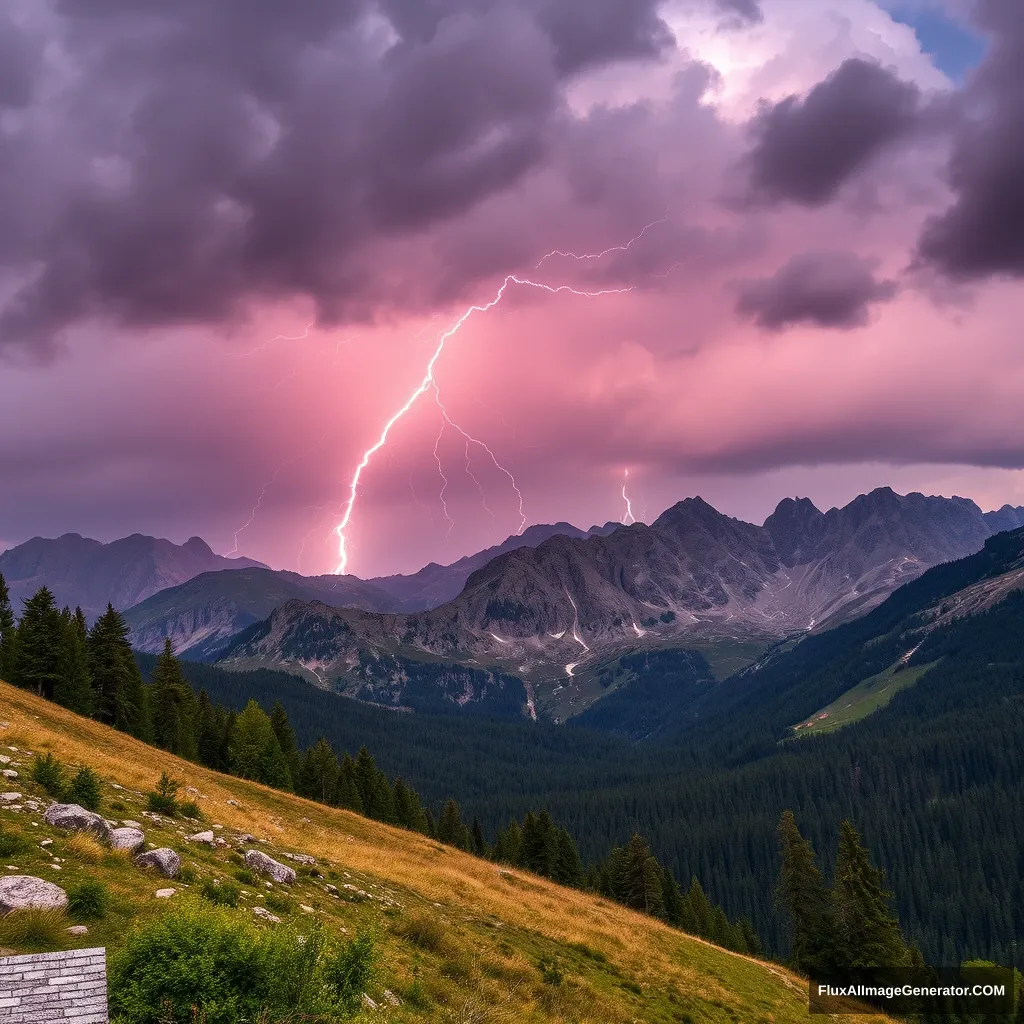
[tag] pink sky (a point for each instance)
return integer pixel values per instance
(773, 341)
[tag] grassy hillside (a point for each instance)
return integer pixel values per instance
(460, 939)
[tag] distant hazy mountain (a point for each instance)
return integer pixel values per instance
(1006, 518)
(693, 576)
(435, 584)
(86, 572)
(201, 615)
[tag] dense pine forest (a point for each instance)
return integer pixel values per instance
(932, 783)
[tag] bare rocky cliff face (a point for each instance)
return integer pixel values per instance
(693, 576)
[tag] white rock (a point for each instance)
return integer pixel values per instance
(369, 1003)
(392, 998)
(202, 837)
(77, 929)
(10, 798)
(165, 860)
(307, 909)
(130, 839)
(10, 773)
(114, 785)
(4, 759)
(18, 892)
(77, 819)
(265, 865)
(301, 858)
(128, 823)
(265, 915)
(46, 842)
(165, 894)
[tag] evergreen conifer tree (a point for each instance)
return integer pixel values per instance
(174, 707)
(286, 738)
(805, 901)
(450, 827)
(8, 633)
(40, 645)
(347, 792)
(568, 868)
(318, 776)
(74, 687)
(250, 743)
(479, 844)
(120, 696)
(869, 938)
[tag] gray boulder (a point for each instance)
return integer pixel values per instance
(267, 866)
(165, 860)
(77, 819)
(130, 839)
(203, 837)
(22, 892)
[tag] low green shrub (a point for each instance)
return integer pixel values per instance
(425, 931)
(33, 930)
(88, 899)
(190, 809)
(224, 894)
(164, 800)
(215, 965)
(10, 842)
(84, 790)
(49, 773)
(278, 903)
(245, 876)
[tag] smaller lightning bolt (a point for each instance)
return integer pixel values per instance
(444, 480)
(497, 465)
(598, 255)
(426, 384)
(277, 337)
(628, 518)
(269, 484)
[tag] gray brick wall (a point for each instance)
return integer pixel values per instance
(44, 987)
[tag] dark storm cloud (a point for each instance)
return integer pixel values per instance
(19, 58)
(826, 289)
(747, 10)
(982, 234)
(220, 152)
(805, 149)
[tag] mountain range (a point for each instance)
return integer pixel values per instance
(89, 574)
(555, 613)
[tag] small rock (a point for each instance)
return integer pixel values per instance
(33, 805)
(301, 858)
(265, 865)
(128, 823)
(56, 867)
(18, 892)
(165, 860)
(46, 842)
(130, 839)
(246, 838)
(77, 819)
(10, 773)
(165, 894)
(233, 803)
(307, 909)
(202, 837)
(77, 929)
(392, 998)
(369, 1003)
(114, 785)
(4, 759)
(265, 915)
(10, 798)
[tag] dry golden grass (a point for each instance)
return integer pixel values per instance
(654, 956)
(85, 848)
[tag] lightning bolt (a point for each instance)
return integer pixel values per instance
(628, 518)
(269, 484)
(429, 382)
(579, 257)
(444, 481)
(277, 337)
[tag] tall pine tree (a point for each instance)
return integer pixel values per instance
(40, 645)
(174, 707)
(804, 899)
(74, 687)
(120, 694)
(869, 938)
